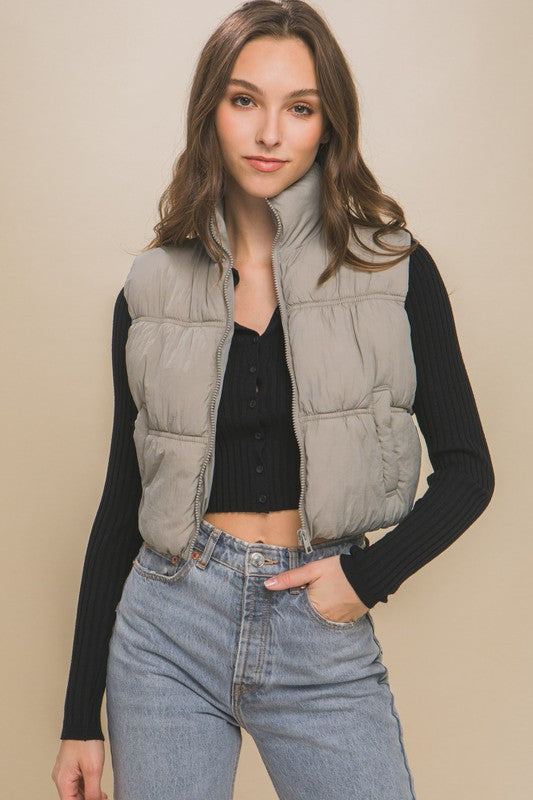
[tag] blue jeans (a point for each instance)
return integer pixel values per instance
(200, 649)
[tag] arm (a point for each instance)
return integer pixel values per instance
(113, 543)
(462, 483)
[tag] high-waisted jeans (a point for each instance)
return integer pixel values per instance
(200, 649)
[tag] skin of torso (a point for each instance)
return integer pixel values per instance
(255, 302)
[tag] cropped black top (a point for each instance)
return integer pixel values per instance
(256, 452)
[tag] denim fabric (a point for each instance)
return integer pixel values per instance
(200, 649)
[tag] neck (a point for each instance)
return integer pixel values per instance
(250, 228)
(297, 209)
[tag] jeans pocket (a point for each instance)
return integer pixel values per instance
(344, 547)
(164, 567)
(378, 643)
(328, 623)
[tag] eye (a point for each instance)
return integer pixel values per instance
(304, 105)
(297, 105)
(239, 97)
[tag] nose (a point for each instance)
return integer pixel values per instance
(270, 132)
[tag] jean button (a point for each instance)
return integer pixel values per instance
(257, 559)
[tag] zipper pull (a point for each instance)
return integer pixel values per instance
(303, 539)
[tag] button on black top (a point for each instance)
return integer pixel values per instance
(257, 461)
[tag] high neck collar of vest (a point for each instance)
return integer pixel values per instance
(297, 208)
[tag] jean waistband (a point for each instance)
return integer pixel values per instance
(245, 555)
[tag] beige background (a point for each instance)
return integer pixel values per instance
(94, 100)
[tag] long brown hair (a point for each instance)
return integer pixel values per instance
(351, 195)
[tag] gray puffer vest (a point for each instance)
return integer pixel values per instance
(350, 359)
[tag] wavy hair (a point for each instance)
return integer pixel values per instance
(351, 195)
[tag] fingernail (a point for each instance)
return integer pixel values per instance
(271, 582)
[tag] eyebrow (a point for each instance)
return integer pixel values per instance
(253, 88)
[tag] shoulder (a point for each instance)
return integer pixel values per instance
(121, 325)
(425, 279)
(120, 302)
(159, 258)
(423, 265)
(153, 270)
(144, 266)
(361, 241)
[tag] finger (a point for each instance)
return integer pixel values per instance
(92, 789)
(299, 576)
(69, 789)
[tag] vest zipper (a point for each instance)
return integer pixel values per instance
(303, 534)
(304, 537)
(213, 399)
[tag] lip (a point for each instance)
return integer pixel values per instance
(265, 158)
(265, 164)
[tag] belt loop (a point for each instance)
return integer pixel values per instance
(293, 563)
(202, 560)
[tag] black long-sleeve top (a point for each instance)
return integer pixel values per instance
(459, 488)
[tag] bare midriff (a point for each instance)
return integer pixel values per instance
(275, 527)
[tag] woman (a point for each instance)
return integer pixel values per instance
(263, 425)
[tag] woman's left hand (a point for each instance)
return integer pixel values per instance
(329, 589)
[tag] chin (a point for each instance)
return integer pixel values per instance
(263, 185)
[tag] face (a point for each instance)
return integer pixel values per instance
(269, 120)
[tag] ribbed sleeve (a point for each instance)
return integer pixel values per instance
(113, 543)
(462, 483)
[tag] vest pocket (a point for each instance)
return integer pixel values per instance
(140, 430)
(381, 405)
